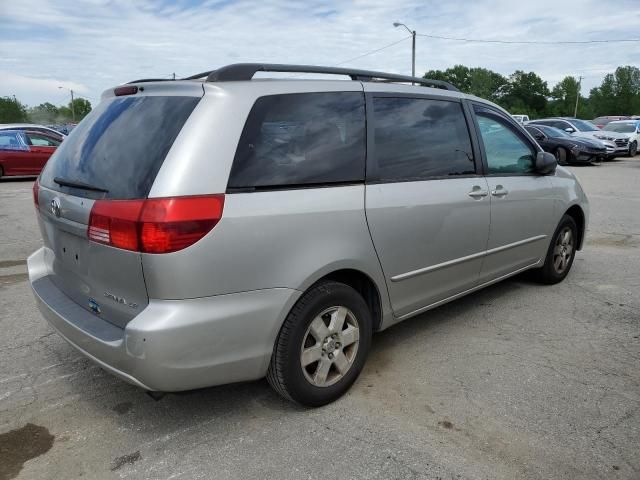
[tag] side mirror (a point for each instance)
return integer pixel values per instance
(569, 130)
(546, 163)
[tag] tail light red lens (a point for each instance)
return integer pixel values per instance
(154, 225)
(36, 194)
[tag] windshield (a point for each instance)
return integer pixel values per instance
(621, 127)
(584, 126)
(119, 147)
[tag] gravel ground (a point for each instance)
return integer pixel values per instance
(515, 381)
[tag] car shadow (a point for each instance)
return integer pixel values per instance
(184, 410)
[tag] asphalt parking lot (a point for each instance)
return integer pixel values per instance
(515, 381)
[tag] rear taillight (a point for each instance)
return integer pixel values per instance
(36, 194)
(154, 225)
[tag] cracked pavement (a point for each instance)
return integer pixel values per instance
(515, 381)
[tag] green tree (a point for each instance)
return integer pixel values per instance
(563, 100)
(65, 115)
(475, 81)
(11, 110)
(524, 93)
(44, 113)
(81, 107)
(618, 94)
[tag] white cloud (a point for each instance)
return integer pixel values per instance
(92, 45)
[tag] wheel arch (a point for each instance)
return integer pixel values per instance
(365, 286)
(576, 212)
(370, 286)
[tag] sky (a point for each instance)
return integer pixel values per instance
(92, 45)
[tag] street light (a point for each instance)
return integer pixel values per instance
(413, 46)
(73, 112)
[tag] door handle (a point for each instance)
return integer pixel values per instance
(499, 191)
(477, 192)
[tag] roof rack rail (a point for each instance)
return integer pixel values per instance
(246, 71)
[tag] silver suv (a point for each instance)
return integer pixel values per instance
(223, 228)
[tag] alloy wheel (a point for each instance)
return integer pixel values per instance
(329, 346)
(563, 250)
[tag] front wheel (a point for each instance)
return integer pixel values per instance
(633, 149)
(561, 252)
(322, 345)
(561, 156)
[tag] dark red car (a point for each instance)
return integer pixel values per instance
(25, 152)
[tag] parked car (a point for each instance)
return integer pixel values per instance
(601, 122)
(567, 148)
(178, 259)
(521, 118)
(33, 128)
(65, 129)
(25, 152)
(631, 128)
(584, 128)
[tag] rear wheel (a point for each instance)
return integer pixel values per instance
(561, 252)
(633, 149)
(561, 156)
(322, 345)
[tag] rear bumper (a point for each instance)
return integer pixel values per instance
(172, 345)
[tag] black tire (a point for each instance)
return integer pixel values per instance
(633, 149)
(286, 374)
(561, 156)
(1, 172)
(550, 273)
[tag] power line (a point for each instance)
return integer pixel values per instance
(528, 42)
(373, 51)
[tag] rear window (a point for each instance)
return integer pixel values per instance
(303, 139)
(11, 141)
(119, 146)
(621, 127)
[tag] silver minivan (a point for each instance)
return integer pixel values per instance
(224, 228)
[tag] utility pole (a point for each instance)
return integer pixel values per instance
(575, 112)
(413, 53)
(73, 111)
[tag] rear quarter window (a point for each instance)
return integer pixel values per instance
(295, 140)
(119, 146)
(418, 138)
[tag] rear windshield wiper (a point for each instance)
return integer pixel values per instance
(84, 186)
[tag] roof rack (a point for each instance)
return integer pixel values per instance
(246, 71)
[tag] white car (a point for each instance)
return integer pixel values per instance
(584, 128)
(521, 118)
(630, 128)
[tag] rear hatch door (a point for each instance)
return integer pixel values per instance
(113, 154)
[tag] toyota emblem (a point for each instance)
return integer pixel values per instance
(55, 207)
